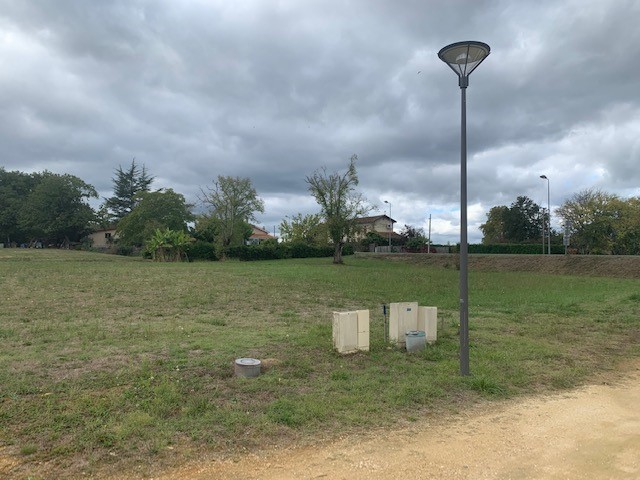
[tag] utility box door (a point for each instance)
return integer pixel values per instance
(403, 317)
(351, 331)
(363, 330)
(428, 322)
(345, 331)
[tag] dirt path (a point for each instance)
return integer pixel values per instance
(592, 432)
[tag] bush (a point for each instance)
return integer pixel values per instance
(271, 251)
(507, 248)
(201, 250)
(125, 250)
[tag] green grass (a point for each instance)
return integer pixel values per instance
(108, 357)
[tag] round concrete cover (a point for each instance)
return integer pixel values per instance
(248, 361)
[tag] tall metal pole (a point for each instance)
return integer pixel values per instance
(463, 58)
(464, 284)
(549, 216)
(429, 237)
(544, 223)
(390, 223)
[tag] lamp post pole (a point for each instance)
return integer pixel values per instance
(429, 237)
(544, 177)
(391, 223)
(463, 58)
(544, 222)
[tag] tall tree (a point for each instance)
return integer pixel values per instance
(522, 221)
(340, 203)
(307, 229)
(127, 185)
(493, 230)
(414, 237)
(409, 232)
(592, 219)
(627, 237)
(15, 188)
(232, 203)
(56, 211)
(162, 209)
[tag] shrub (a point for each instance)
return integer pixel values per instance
(201, 250)
(125, 250)
(271, 251)
(508, 248)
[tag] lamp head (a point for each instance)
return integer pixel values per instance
(464, 58)
(544, 177)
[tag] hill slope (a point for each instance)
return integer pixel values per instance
(601, 265)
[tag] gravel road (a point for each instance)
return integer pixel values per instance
(592, 432)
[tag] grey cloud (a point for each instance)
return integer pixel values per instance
(275, 91)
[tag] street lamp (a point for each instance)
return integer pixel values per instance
(429, 237)
(463, 58)
(544, 177)
(390, 224)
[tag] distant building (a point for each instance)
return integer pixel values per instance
(103, 238)
(380, 224)
(259, 235)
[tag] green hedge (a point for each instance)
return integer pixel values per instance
(270, 251)
(506, 248)
(201, 250)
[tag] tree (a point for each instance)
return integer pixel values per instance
(519, 223)
(373, 238)
(627, 238)
(232, 204)
(127, 185)
(56, 210)
(522, 221)
(15, 187)
(493, 230)
(339, 202)
(592, 217)
(162, 209)
(168, 245)
(414, 238)
(409, 232)
(307, 229)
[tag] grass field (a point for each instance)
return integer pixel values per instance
(110, 360)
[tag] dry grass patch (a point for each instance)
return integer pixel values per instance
(114, 361)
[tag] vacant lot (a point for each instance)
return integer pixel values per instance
(110, 362)
(591, 265)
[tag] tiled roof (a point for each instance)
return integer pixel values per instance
(260, 233)
(373, 219)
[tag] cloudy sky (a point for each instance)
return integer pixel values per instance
(275, 89)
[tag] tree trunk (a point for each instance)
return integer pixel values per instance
(337, 254)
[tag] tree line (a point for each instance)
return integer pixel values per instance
(54, 210)
(594, 222)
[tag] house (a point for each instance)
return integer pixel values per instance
(380, 224)
(103, 237)
(258, 235)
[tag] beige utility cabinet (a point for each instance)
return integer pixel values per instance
(406, 316)
(351, 331)
(428, 322)
(403, 316)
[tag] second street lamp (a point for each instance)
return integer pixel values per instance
(391, 223)
(544, 177)
(463, 58)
